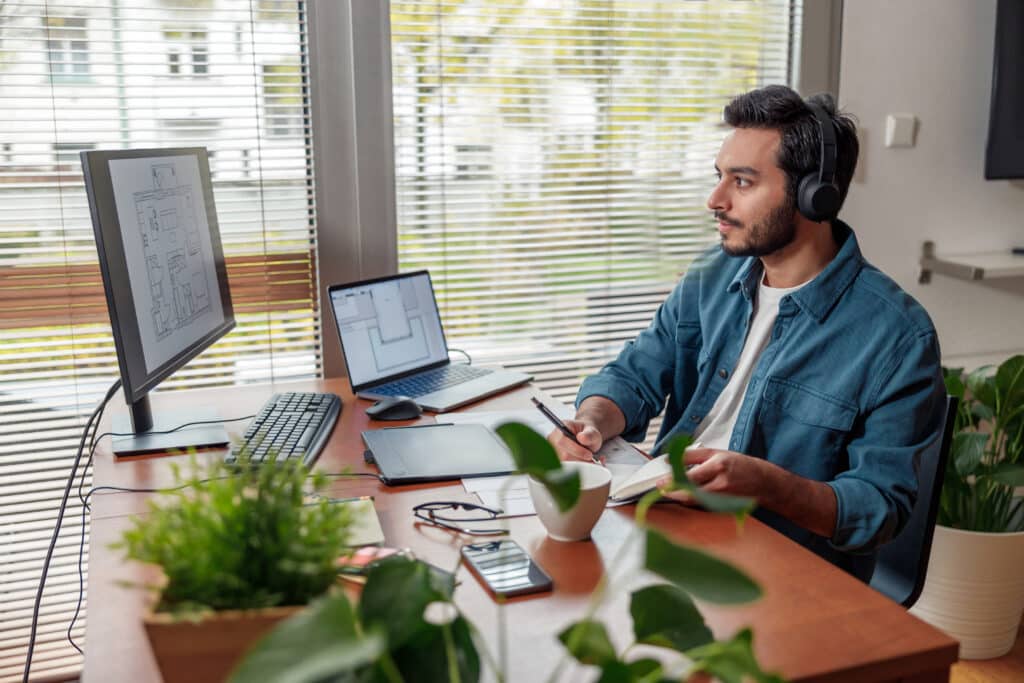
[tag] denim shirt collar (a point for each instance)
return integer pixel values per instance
(819, 296)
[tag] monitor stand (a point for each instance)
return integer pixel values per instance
(151, 441)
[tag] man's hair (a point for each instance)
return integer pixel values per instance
(780, 108)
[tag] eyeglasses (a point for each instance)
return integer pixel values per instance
(433, 513)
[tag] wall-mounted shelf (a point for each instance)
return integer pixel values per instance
(983, 266)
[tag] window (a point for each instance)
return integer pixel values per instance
(282, 99)
(66, 155)
(553, 160)
(56, 354)
(67, 48)
(187, 52)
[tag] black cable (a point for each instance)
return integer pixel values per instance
(469, 361)
(56, 529)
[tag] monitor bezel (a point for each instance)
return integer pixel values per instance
(135, 379)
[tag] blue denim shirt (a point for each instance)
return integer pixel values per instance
(848, 390)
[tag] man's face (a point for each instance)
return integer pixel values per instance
(755, 215)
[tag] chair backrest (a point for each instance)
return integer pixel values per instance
(903, 562)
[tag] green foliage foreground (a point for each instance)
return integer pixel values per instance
(406, 626)
(986, 459)
(240, 539)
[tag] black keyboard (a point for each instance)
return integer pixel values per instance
(425, 383)
(289, 426)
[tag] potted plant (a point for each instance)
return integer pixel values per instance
(238, 550)
(974, 590)
(423, 635)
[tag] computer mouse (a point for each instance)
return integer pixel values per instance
(394, 408)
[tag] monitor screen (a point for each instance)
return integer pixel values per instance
(162, 264)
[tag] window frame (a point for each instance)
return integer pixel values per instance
(353, 132)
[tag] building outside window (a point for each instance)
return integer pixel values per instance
(67, 48)
(188, 52)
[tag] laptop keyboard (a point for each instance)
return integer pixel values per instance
(425, 383)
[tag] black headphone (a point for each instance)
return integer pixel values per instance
(817, 196)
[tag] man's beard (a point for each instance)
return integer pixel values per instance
(776, 231)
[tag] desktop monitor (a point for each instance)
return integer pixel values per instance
(166, 284)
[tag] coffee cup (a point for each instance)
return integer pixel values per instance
(575, 523)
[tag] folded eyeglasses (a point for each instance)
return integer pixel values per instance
(442, 513)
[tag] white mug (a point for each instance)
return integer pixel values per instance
(575, 523)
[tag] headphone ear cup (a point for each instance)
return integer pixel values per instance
(816, 200)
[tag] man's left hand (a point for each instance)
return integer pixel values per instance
(722, 472)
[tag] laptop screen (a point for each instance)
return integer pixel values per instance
(388, 326)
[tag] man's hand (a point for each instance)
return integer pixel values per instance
(720, 472)
(810, 504)
(589, 438)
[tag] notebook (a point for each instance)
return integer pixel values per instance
(394, 345)
(437, 452)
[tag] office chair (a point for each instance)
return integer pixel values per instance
(903, 562)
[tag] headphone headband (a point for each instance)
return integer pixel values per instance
(827, 163)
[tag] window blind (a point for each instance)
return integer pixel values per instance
(230, 75)
(553, 159)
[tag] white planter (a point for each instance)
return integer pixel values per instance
(975, 590)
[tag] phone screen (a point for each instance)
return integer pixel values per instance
(505, 568)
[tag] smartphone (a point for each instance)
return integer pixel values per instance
(505, 568)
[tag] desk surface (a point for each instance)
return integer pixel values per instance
(814, 622)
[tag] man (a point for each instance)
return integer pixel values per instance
(810, 379)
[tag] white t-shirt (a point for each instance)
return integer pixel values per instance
(715, 430)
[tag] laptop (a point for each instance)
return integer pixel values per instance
(394, 345)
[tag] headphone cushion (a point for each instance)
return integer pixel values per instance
(816, 200)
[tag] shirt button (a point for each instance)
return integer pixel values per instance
(723, 373)
(695, 418)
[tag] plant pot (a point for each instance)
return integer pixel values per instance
(207, 650)
(974, 590)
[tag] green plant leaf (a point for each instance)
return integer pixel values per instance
(1009, 380)
(732, 661)
(397, 591)
(588, 642)
(1008, 474)
(980, 412)
(665, 616)
(676, 450)
(967, 450)
(326, 636)
(738, 506)
(982, 386)
(424, 657)
(645, 669)
(952, 377)
(616, 672)
(564, 487)
(699, 574)
(536, 457)
(531, 452)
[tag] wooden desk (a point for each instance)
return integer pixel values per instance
(814, 623)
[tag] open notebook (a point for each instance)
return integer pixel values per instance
(645, 478)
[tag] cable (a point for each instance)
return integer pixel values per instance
(56, 529)
(469, 361)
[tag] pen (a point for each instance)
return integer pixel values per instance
(555, 420)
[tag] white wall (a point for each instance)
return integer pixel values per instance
(933, 58)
